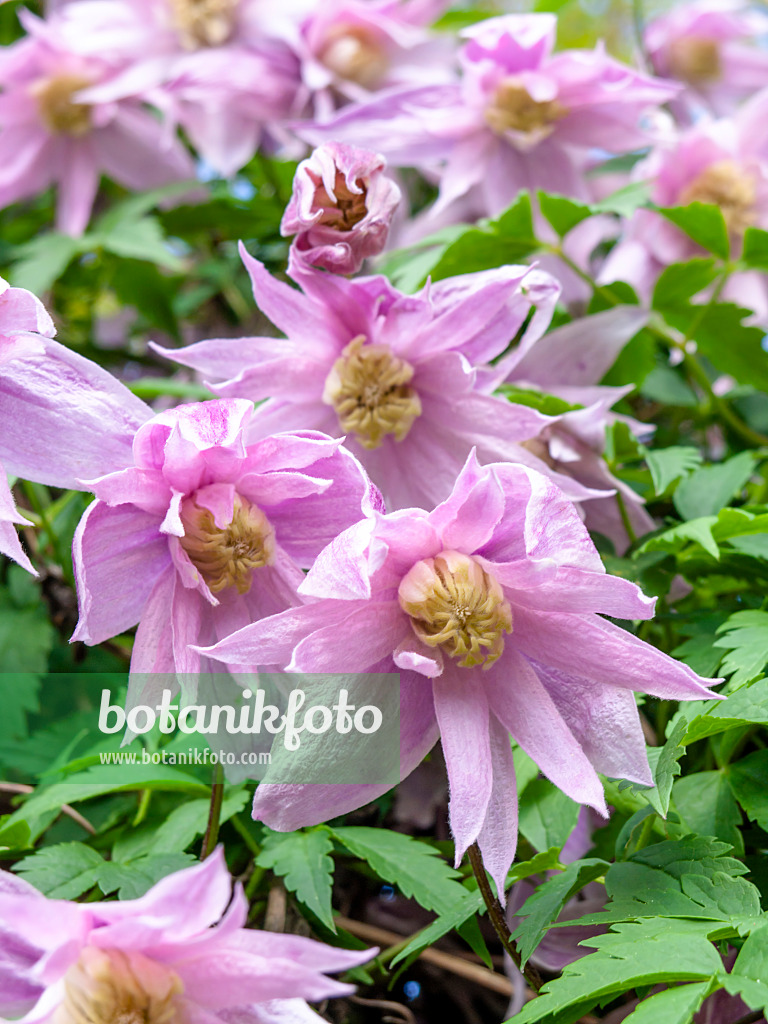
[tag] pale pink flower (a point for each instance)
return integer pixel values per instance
(51, 135)
(350, 49)
(406, 378)
(724, 163)
(182, 952)
(490, 608)
(522, 117)
(569, 362)
(711, 46)
(190, 509)
(341, 207)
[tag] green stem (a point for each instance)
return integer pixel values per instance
(625, 517)
(141, 813)
(498, 920)
(156, 387)
(42, 512)
(214, 815)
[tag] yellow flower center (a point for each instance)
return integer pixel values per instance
(456, 605)
(353, 52)
(695, 59)
(726, 185)
(369, 387)
(347, 209)
(203, 22)
(59, 113)
(226, 557)
(112, 987)
(514, 109)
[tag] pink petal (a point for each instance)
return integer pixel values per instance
(595, 649)
(520, 702)
(461, 707)
(119, 555)
(498, 837)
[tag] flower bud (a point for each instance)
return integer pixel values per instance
(341, 208)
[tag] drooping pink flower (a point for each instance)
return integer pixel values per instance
(711, 47)
(23, 320)
(51, 135)
(180, 953)
(190, 507)
(724, 163)
(404, 377)
(520, 118)
(341, 208)
(569, 362)
(490, 608)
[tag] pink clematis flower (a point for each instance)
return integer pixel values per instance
(52, 135)
(189, 505)
(520, 118)
(710, 46)
(404, 377)
(210, 68)
(350, 49)
(177, 540)
(724, 163)
(23, 319)
(490, 608)
(180, 953)
(341, 208)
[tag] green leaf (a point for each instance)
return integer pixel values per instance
(136, 206)
(669, 464)
(185, 823)
(62, 872)
(549, 405)
(703, 223)
(416, 868)
(42, 261)
(747, 706)
(625, 200)
(141, 239)
(563, 214)
(543, 907)
(546, 816)
(749, 975)
(743, 356)
(709, 489)
(493, 243)
(15, 836)
(745, 636)
(755, 251)
(748, 779)
(302, 859)
(632, 955)
(664, 762)
(673, 1006)
(133, 879)
(679, 282)
(707, 805)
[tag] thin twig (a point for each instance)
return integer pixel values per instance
(406, 1015)
(498, 920)
(277, 906)
(76, 816)
(450, 962)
